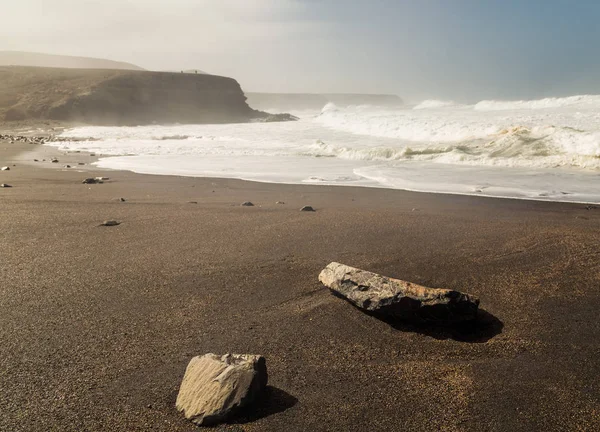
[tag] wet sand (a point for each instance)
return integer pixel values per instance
(97, 323)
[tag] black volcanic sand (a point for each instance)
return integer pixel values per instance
(97, 324)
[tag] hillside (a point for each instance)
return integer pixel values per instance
(19, 58)
(119, 97)
(305, 101)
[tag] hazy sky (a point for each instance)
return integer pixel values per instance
(453, 49)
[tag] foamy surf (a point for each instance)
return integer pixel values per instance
(547, 149)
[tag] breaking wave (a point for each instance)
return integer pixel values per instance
(432, 104)
(586, 101)
(565, 133)
(520, 147)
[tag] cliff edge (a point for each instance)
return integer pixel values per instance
(120, 97)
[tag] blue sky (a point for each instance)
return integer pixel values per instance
(445, 49)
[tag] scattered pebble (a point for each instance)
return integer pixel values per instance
(110, 223)
(80, 163)
(122, 199)
(35, 160)
(67, 166)
(307, 209)
(54, 160)
(5, 169)
(4, 185)
(192, 202)
(279, 202)
(247, 204)
(91, 180)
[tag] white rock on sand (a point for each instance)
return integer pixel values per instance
(215, 387)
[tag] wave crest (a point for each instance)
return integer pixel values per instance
(433, 103)
(496, 105)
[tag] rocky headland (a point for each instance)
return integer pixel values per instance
(120, 97)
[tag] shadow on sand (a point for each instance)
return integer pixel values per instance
(273, 401)
(480, 330)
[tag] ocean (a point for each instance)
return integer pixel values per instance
(546, 149)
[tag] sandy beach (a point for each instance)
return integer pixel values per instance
(97, 324)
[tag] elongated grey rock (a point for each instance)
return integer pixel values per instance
(215, 387)
(398, 298)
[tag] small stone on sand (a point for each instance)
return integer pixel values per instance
(5, 169)
(110, 223)
(279, 202)
(91, 180)
(307, 209)
(4, 185)
(247, 204)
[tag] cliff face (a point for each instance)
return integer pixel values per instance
(114, 97)
(302, 101)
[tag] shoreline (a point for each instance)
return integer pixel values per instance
(353, 186)
(98, 156)
(25, 156)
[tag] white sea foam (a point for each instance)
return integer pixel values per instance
(433, 103)
(547, 149)
(587, 101)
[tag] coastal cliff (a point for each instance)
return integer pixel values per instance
(120, 97)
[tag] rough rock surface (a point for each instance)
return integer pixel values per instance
(215, 387)
(400, 299)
